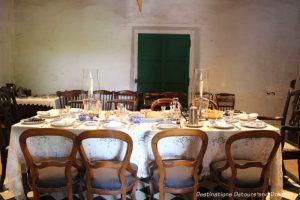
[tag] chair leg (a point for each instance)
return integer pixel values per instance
(161, 195)
(80, 191)
(151, 189)
(283, 168)
(25, 183)
(298, 169)
(70, 192)
(3, 163)
(89, 194)
(35, 195)
(134, 190)
(3, 156)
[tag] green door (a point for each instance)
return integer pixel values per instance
(163, 63)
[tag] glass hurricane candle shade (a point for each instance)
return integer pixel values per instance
(200, 86)
(200, 82)
(90, 82)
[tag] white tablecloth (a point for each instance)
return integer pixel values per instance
(142, 153)
(47, 101)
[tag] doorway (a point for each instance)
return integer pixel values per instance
(163, 63)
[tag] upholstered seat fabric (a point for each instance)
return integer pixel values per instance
(176, 177)
(246, 178)
(54, 177)
(108, 179)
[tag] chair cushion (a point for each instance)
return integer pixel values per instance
(246, 178)
(54, 177)
(176, 177)
(108, 179)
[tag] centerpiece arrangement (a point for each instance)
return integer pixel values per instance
(92, 105)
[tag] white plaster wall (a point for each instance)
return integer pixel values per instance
(6, 41)
(250, 46)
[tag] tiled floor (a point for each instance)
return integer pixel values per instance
(291, 190)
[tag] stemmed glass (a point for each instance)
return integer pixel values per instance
(163, 110)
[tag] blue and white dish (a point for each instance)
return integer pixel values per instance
(90, 123)
(254, 124)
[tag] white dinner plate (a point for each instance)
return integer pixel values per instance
(222, 125)
(47, 114)
(90, 123)
(150, 120)
(114, 125)
(164, 126)
(254, 124)
(65, 122)
(198, 125)
(75, 110)
(231, 119)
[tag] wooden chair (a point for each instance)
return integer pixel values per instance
(9, 115)
(127, 97)
(225, 101)
(51, 174)
(206, 95)
(177, 175)
(128, 104)
(180, 96)
(109, 176)
(126, 94)
(71, 98)
(164, 102)
(149, 98)
(290, 128)
(105, 96)
(244, 175)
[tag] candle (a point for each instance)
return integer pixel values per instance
(201, 85)
(201, 89)
(91, 85)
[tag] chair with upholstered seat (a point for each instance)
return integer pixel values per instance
(246, 175)
(50, 171)
(179, 174)
(108, 175)
(156, 105)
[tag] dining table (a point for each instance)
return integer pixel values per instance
(28, 106)
(142, 131)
